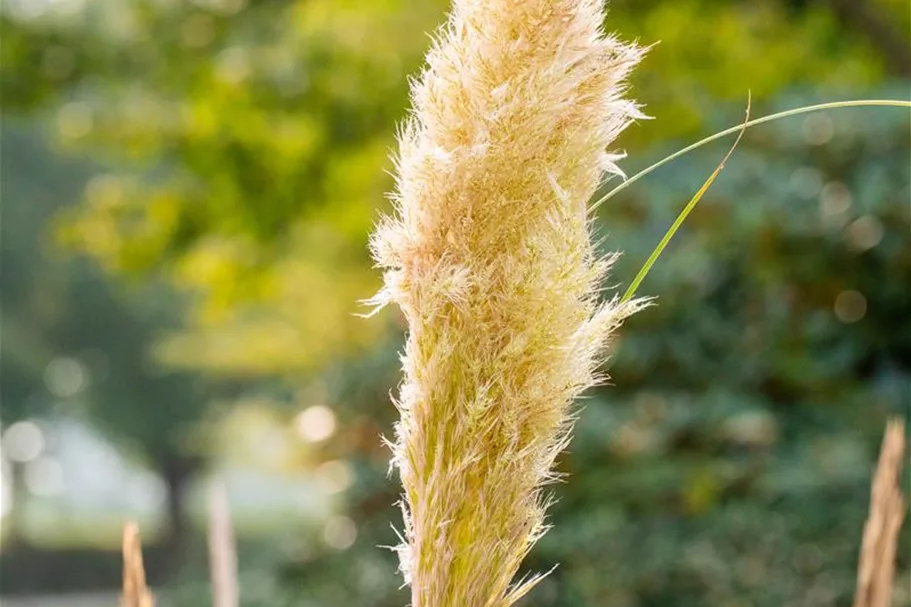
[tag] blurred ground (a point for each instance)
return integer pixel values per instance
(85, 600)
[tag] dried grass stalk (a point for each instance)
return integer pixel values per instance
(135, 591)
(222, 550)
(491, 259)
(887, 510)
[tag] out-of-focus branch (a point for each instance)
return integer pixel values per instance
(864, 19)
(222, 551)
(135, 591)
(887, 509)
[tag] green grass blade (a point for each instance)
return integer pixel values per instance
(669, 234)
(755, 122)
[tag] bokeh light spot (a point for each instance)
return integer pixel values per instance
(818, 129)
(65, 377)
(75, 120)
(834, 199)
(23, 441)
(105, 191)
(339, 532)
(315, 423)
(335, 476)
(232, 65)
(850, 306)
(864, 233)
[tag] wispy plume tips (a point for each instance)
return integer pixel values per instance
(490, 257)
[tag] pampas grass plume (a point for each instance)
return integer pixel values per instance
(490, 257)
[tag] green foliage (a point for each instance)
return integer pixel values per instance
(69, 311)
(76, 346)
(247, 142)
(729, 461)
(245, 148)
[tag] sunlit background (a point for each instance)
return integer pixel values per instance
(187, 190)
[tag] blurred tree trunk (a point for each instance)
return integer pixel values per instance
(12, 524)
(177, 472)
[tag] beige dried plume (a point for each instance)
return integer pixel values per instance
(491, 259)
(135, 591)
(887, 510)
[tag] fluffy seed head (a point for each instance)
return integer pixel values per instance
(490, 257)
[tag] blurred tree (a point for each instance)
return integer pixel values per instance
(73, 345)
(248, 139)
(249, 144)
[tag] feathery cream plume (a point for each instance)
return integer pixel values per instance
(490, 257)
(135, 591)
(876, 570)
